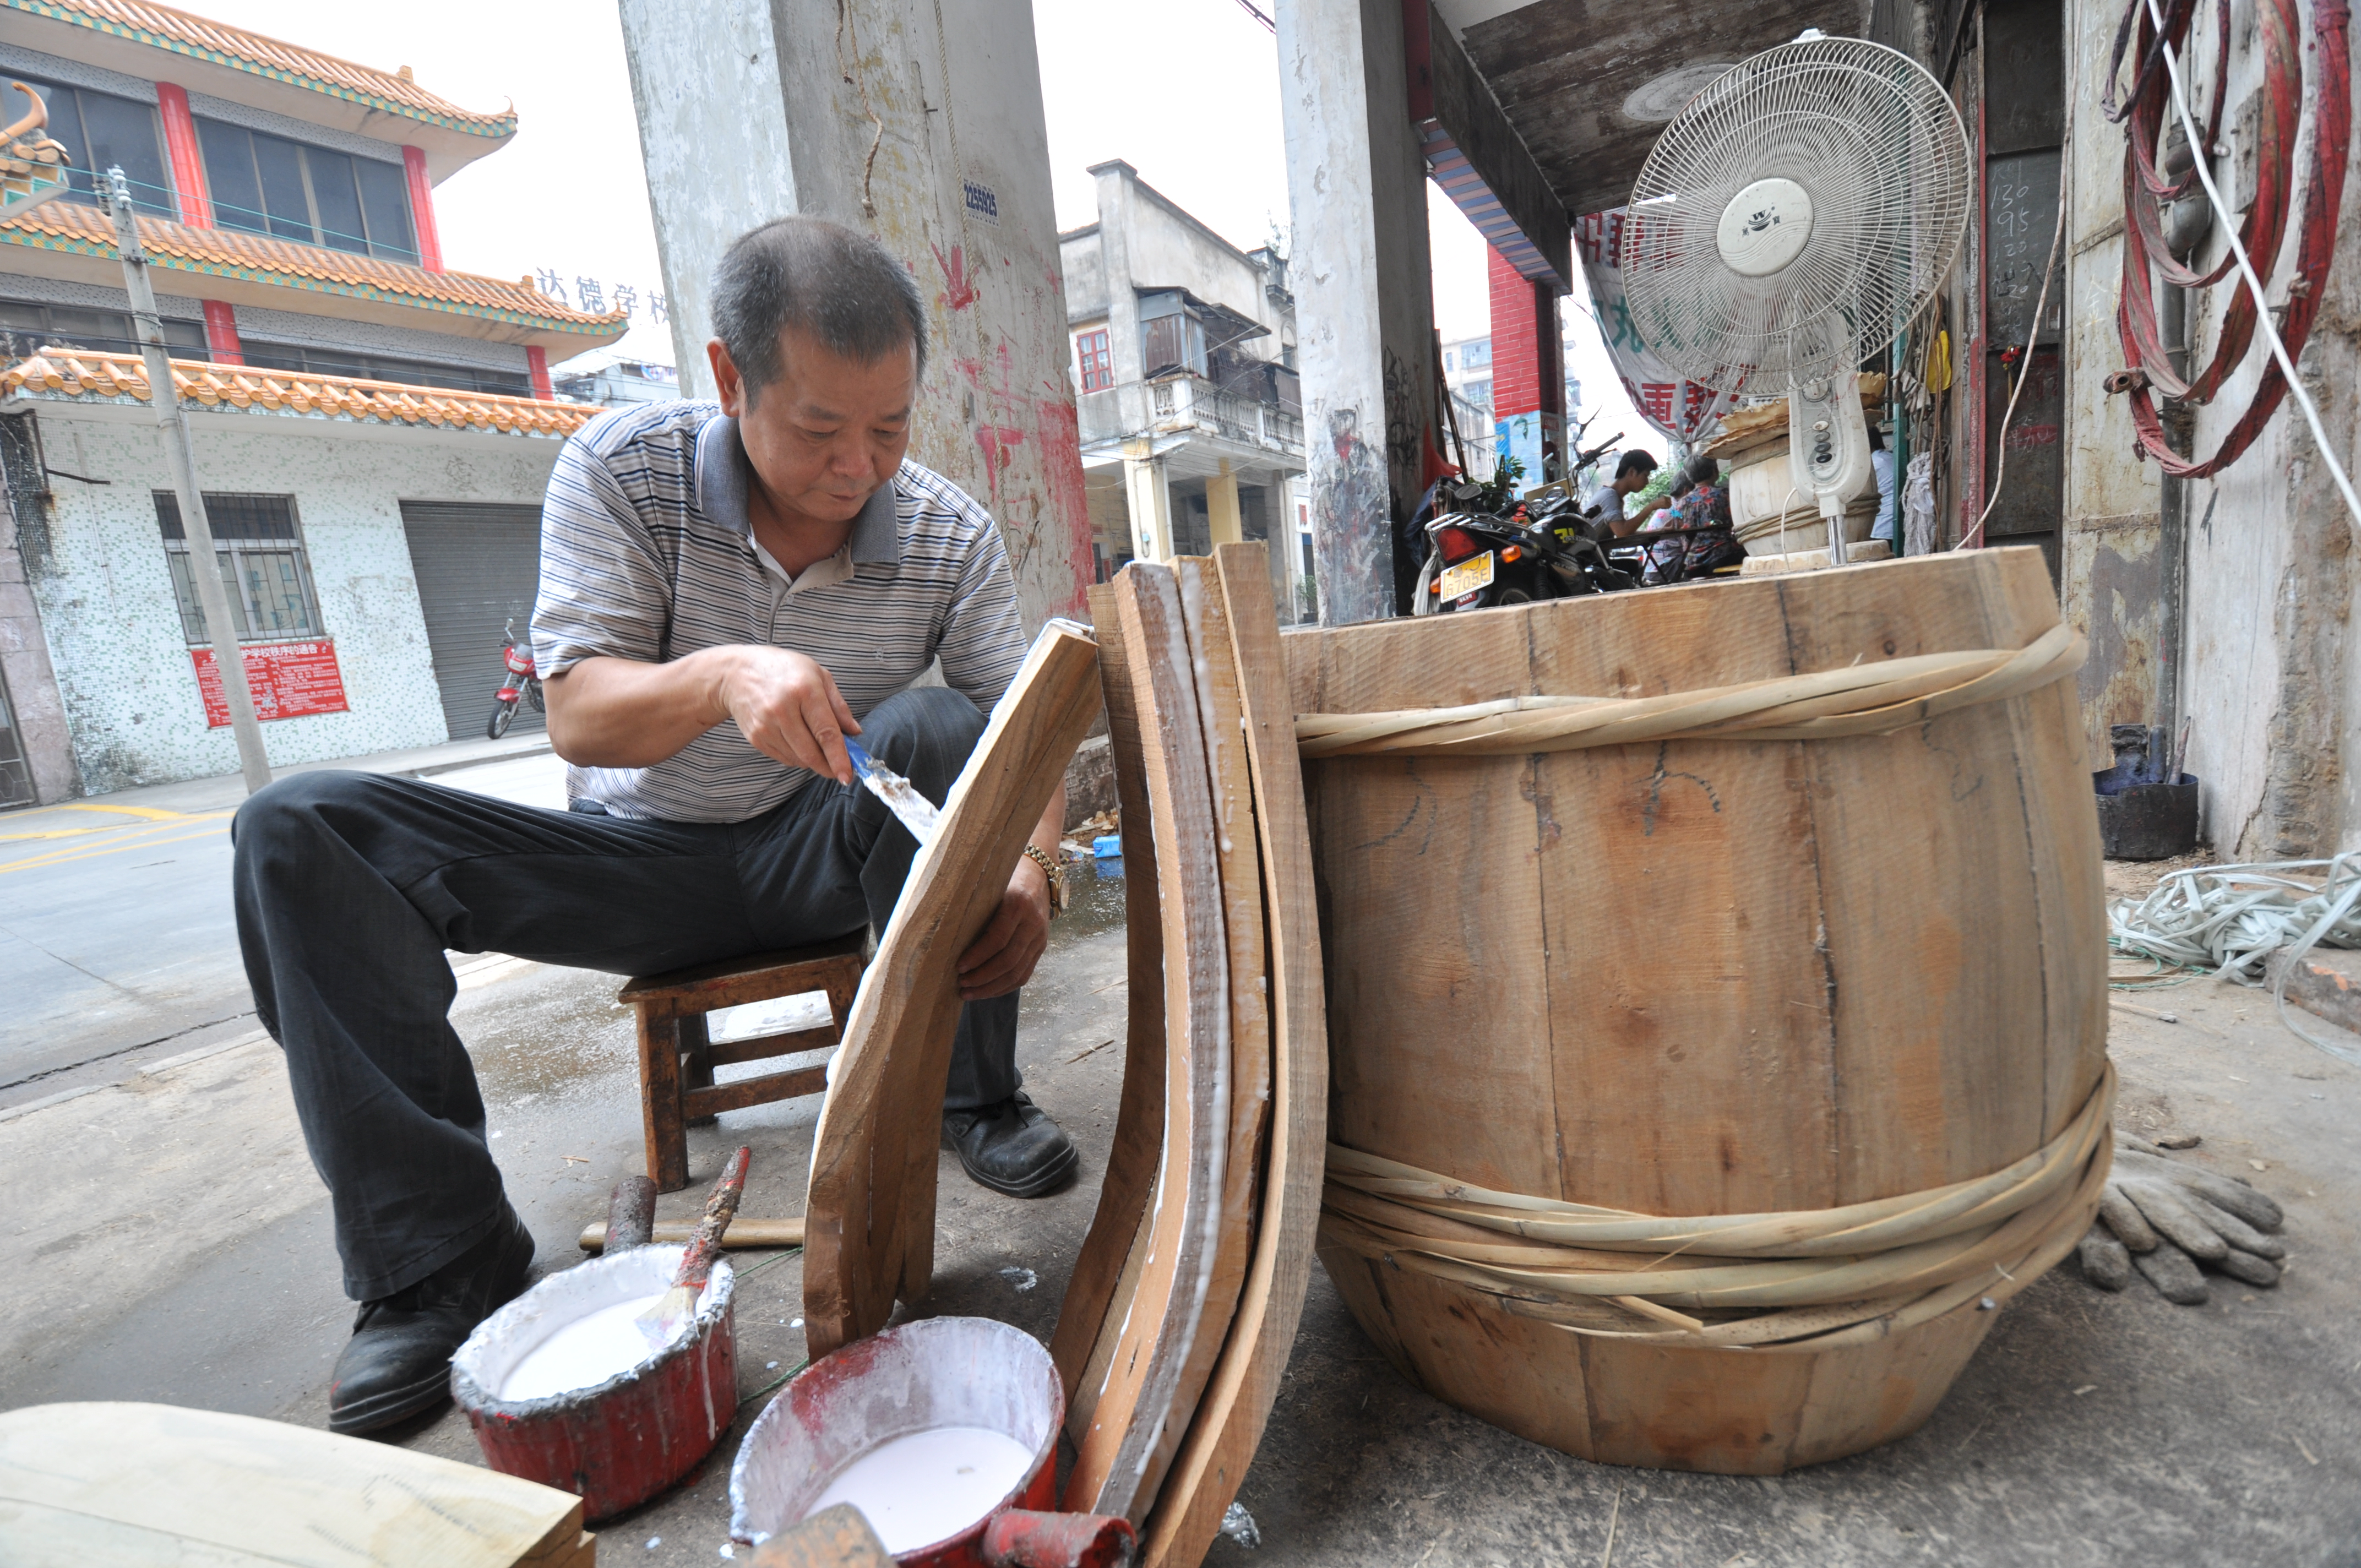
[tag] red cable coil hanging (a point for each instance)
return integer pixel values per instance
(2266, 222)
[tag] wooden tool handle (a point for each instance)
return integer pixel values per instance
(697, 1262)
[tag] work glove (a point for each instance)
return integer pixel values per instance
(2164, 1219)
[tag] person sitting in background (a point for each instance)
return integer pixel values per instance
(1708, 542)
(1881, 463)
(1604, 505)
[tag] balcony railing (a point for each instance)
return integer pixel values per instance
(1179, 403)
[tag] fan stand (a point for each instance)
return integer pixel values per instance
(1827, 448)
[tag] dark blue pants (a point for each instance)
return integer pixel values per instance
(350, 886)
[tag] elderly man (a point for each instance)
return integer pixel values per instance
(726, 593)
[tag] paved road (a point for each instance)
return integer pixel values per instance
(115, 930)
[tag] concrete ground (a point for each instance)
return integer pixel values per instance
(174, 1247)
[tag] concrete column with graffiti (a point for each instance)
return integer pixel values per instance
(923, 126)
(1364, 302)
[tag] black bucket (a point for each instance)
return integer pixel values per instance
(2143, 816)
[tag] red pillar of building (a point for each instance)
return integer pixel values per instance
(181, 146)
(222, 342)
(536, 360)
(421, 209)
(1528, 367)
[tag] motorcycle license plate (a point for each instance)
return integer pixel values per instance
(1467, 577)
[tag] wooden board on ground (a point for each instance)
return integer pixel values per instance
(1214, 660)
(1159, 1329)
(1105, 1271)
(869, 1222)
(133, 1484)
(1221, 1442)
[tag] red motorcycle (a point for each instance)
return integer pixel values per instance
(522, 681)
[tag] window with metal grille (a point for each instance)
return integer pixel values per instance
(258, 549)
(99, 131)
(1098, 364)
(267, 184)
(27, 325)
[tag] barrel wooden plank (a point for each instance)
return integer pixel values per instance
(1686, 987)
(1213, 662)
(1417, 855)
(2063, 815)
(1938, 1079)
(1221, 1444)
(1161, 1325)
(869, 1220)
(1104, 1270)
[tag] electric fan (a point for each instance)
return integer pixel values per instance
(1787, 225)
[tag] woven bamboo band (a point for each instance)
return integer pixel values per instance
(1866, 699)
(1812, 1279)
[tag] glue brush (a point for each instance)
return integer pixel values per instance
(900, 796)
(660, 1322)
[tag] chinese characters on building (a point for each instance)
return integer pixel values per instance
(589, 295)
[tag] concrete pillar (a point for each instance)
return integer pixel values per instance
(32, 682)
(1150, 494)
(750, 111)
(1364, 302)
(1221, 519)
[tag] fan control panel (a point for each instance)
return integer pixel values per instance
(1827, 444)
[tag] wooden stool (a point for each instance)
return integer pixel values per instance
(678, 1058)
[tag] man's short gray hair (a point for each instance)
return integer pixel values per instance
(842, 288)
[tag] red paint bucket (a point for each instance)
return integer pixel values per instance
(921, 1376)
(617, 1442)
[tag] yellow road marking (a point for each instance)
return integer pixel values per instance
(58, 858)
(149, 813)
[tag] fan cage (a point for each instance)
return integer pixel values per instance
(1877, 146)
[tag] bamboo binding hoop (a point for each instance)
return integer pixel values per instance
(1810, 1279)
(1866, 699)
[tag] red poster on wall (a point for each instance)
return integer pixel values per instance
(288, 680)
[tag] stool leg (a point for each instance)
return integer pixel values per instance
(667, 1141)
(696, 1059)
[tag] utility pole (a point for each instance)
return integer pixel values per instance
(173, 422)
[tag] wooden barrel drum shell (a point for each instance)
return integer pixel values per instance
(1703, 976)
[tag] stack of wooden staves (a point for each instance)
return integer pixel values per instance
(1184, 1299)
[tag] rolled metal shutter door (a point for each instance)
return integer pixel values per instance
(477, 565)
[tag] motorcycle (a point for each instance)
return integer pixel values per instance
(523, 683)
(1540, 550)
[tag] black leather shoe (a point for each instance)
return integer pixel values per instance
(398, 1363)
(1012, 1147)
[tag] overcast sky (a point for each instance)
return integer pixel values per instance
(568, 195)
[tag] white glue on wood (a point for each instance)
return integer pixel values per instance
(587, 1351)
(929, 1486)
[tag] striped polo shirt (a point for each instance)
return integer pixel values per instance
(647, 554)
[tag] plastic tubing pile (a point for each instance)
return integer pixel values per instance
(2237, 918)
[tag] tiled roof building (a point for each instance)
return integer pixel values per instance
(372, 427)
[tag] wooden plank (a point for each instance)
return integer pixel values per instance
(1161, 1324)
(736, 1096)
(1221, 1442)
(760, 1047)
(1214, 663)
(664, 1140)
(734, 982)
(135, 1484)
(835, 1537)
(869, 1222)
(1105, 1274)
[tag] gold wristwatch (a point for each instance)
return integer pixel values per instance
(1056, 875)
